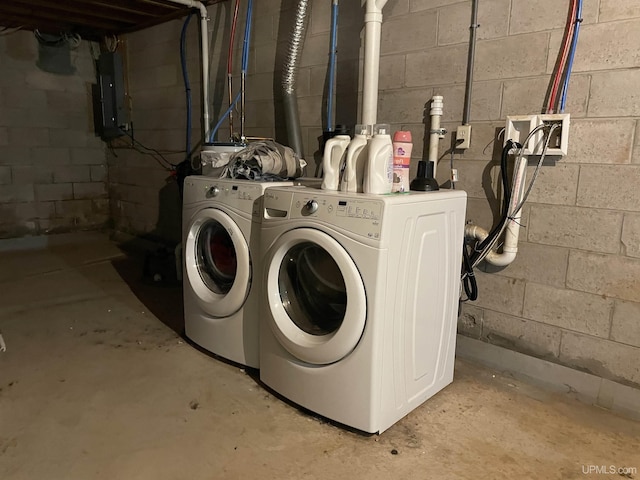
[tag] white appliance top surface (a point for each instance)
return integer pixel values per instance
(356, 213)
(390, 198)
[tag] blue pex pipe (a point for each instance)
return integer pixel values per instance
(572, 52)
(245, 64)
(247, 36)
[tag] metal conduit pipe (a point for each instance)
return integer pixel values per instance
(473, 30)
(289, 76)
(204, 45)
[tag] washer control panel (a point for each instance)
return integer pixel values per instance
(358, 215)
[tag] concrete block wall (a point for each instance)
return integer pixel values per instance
(52, 167)
(143, 193)
(573, 295)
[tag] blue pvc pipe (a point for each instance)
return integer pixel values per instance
(572, 52)
(332, 64)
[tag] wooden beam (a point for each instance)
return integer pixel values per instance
(95, 10)
(166, 18)
(47, 15)
(133, 6)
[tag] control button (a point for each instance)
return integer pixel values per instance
(213, 192)
(311, 207)
(298, 204)
(330, 209)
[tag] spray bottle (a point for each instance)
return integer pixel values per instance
(353, 175)
(333, 152)
(378, 174)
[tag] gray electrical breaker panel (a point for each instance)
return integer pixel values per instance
(110, 112)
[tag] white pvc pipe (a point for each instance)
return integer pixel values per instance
(512, 230)
(435, 135)
(372, 33)
(204, 45)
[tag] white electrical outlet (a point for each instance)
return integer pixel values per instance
(463, 137)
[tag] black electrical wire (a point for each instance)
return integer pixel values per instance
(154, 152)
(469, 282)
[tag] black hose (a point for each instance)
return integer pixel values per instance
(506, 200)
(469, 282)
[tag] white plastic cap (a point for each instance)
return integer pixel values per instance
(381, 129)
(436, 105)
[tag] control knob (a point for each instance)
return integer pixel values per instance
(213, 191)
(311, 207)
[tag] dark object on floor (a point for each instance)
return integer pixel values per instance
(160, 268)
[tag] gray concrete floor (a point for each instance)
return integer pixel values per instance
(96, 383)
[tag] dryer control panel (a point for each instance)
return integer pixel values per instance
(241, 196)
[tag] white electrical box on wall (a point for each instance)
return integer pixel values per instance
(519, 127)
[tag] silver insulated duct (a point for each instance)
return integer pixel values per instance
(289, 74)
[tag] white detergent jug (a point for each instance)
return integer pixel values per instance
(353, 175)
(378, 175)
(334, 151)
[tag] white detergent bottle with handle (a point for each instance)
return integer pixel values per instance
(378, 174)
(353, 175)
(334, 151)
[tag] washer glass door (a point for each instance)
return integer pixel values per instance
(316, 296)
(217, 263)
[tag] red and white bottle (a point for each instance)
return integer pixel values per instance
(402, 147)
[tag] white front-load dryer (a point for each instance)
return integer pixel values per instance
(360, 300)
(221, 238)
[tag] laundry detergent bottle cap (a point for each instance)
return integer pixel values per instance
(353, 175)
(334, 151)
(378, 176)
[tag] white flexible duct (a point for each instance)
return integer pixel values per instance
(204, 45)
(372, 33)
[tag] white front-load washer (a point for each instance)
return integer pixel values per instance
(221, 230)
(360, 300)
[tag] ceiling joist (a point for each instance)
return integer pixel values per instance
(91, 19)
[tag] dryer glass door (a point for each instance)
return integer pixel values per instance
(216, 256)
(316, 296)
(217, 262)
